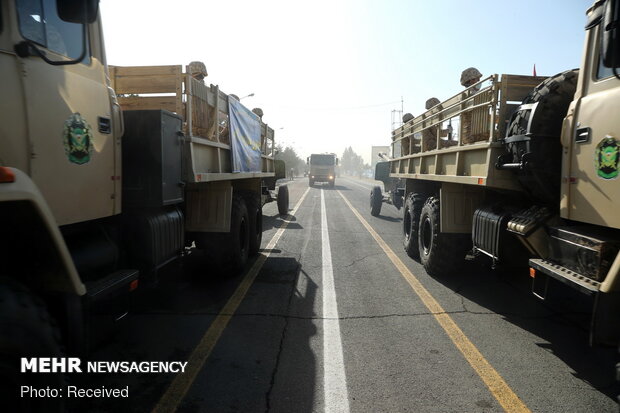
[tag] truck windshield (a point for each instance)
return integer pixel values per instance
(322, 160)
(39, 22)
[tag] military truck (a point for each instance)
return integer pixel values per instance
(527, 173)
(322, 168)
(109, 173)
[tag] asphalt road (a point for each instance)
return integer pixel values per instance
(334, 318)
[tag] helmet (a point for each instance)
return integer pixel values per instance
(432, 102)
(197, 70)
(258, 112)
(407, 117)
(469, 74)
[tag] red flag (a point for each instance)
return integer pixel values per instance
(534, 73)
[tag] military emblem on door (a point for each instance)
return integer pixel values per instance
(606, 158)
(78, 139)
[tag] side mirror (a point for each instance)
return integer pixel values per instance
(78, 11)
(336, 161)
(611, 32)
(308, 160)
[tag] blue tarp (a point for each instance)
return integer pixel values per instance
(244, 138)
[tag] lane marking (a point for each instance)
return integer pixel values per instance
(334, 377)
(181, 384)
(495, 383)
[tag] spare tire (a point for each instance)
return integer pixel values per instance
(535, 129)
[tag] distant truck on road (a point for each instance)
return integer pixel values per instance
(538, 185)
(322, 168)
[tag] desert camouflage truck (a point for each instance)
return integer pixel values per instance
(537, 181)
(322, 168)
(98, 192)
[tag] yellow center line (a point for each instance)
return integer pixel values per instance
(182, 382)
(496, 384)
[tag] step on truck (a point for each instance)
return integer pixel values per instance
(106, 175)
(523, 170)
(322, 168)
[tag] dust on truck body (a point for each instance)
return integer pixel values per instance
(322, 168)
(526, 172)
(98, 192)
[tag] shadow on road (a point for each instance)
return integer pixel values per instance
(261, 362)
(276, 221)
(388, 219)
(561, 322)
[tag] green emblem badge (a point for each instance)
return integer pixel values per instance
(606, 158)
(77, 139)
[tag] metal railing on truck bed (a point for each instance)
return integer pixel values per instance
(205, 113)
(458, 140)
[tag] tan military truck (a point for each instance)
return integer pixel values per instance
(536, 182)
(98, 192)
(322, 168)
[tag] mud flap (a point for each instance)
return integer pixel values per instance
(605, 325)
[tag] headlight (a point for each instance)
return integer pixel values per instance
(312, 176)
(331, 177)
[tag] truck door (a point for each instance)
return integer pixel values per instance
(68, 115)
(593, 181)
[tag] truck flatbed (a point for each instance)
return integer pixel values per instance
(415, 143)
(205, 113)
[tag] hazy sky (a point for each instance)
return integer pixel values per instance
(330, 72)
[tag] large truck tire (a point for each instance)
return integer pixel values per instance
(541, 154)
(26, 330)
(310, 182)
(411, 223)
(440, 253)
(255, 214)
(376, 200)
(239, 240)
(283, 200)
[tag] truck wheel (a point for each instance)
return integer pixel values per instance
(439, 253)
(542, 154)
(411, 223)
(26, 330)
(376, 199)
(332, 184)
(255, 213)
(283, 200)
(310, 182)
(239, 245)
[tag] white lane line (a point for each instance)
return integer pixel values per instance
(334, 377)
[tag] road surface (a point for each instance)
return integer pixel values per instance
(333, 316)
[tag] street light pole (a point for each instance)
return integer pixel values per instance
(247, 96)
